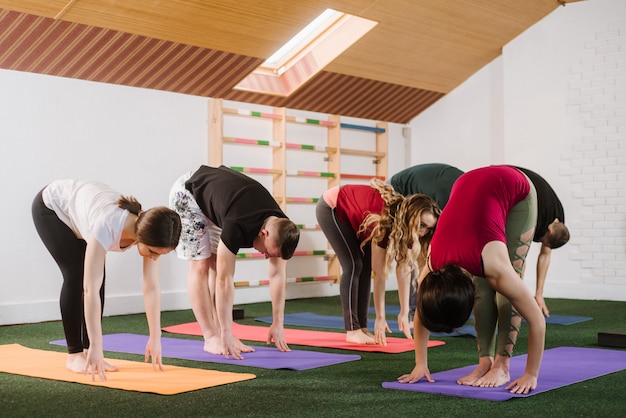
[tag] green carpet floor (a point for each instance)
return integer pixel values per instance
(346, 390)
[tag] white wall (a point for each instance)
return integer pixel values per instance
(458, 129)
(555, 102)
(136, 140)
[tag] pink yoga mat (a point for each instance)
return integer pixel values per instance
(307, 338)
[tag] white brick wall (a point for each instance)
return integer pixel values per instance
(596, 162)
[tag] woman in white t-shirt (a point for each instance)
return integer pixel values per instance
(79, 222)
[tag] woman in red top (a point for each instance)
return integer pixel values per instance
(482, 238)
(368, 227)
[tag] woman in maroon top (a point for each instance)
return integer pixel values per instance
(482, 238)
(368, 227)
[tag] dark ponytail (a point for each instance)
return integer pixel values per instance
(130, 204)
(157, 227)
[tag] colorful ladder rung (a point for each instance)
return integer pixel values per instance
(245, 112)
(313, 252)
(310, 147)
(314, 279)
(375, 154)
(254, 283)
(250, 255)
(300, 253)
(308, 226)
(362, 128)
(302, 199)
(256, 170)
(310, 173)
(249, 141)
(308, 121)
(361, 177)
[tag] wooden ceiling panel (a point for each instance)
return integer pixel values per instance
(436, 45)
(36, 7)
(419, 51)
(254, 29)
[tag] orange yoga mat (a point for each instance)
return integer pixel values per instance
(132, 375)
(308, 338)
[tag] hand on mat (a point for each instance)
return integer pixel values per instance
(542, 306)
(153, 349)
(404, 326)
(95, 364)
(234, 347)
(418, 372)
(380, 328)
(277, 334)
(522, 385)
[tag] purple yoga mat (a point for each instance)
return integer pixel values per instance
(263, 357)
(560, 367)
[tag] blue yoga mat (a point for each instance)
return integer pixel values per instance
(263, 357)
(560, 367)
(309, 319)
(566, 319)
(389, 310)
(552, 319)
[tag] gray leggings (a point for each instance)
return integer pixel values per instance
(356, 266)
(491, 308)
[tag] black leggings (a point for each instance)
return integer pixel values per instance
(69, 253)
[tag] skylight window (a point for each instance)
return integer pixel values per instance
(307, 53)
(318, 25)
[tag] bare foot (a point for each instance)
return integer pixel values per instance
(213, 345)
(244, 348)
(497, 376)
(108, 367)
(76, 362)
(484, 365)
(359, 337)
(366, 332)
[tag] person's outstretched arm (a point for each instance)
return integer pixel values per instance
(502, 277)
(421, 336)
(543, 263)
(403, 276)
(151, 289)
(277, 272)
(95, 255)
(380, 278)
